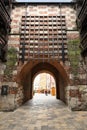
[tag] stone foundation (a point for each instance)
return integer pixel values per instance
(76, 97)
(14, 97)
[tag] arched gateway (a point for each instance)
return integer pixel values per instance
(29, 70)
(43, 46)
(40, 34)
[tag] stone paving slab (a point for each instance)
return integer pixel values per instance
(43, 113)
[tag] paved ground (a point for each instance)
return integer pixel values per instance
(43, 113)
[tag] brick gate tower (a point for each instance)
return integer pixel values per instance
(42, 39)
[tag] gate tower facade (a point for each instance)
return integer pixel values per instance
(40, 34)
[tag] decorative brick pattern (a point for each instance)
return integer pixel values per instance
(67, 11)
(75, 97)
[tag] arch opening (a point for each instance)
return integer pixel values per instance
(30, 70)
(44, 83)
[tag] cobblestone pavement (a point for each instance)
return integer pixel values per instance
(43, 113)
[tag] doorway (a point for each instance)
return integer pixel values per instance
(30, 70)
(44, 84)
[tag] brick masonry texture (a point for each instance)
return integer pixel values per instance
(67, 11)
(75, 97)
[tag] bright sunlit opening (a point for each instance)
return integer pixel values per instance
(44, 83)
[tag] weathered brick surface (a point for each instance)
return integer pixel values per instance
(75, 95)
(67, 11)
(72, 35)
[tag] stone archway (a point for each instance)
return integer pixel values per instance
(29, 70)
